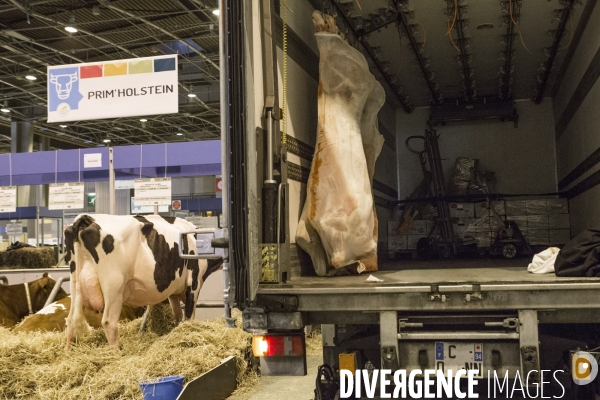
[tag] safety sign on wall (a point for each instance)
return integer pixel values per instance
(8, 199)
(64, 196)
(112, 89)
(153, 192)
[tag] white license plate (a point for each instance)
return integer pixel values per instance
(454, 356)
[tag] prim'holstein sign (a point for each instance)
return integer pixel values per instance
(112, 89)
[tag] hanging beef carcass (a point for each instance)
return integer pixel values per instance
(338, 226)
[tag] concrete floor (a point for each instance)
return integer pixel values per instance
(289, 387)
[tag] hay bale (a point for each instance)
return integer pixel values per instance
(34, 365)
(28, 257)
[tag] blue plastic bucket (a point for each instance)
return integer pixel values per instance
(167, 388)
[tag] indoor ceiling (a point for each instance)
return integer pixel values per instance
(33, 36)
(487, 49)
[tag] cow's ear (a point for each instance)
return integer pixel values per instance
(45, 275)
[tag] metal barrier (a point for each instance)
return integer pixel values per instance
(56, 288)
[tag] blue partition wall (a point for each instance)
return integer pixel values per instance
(147, 161)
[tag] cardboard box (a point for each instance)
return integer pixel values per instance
(418, 227)
(537, 222)
(537, 207)
(557, 206)
(412, 241)
(396, 243)
(521, 221)
(538, 237)
(559, 236)
(499, 207)
(482, 209)
(484, 239)
(392, 226)
(462, 210)
(516, 207)
(559, 221)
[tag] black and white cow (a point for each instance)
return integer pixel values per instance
(134, 260)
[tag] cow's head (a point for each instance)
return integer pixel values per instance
(40, 289)
(63, 84)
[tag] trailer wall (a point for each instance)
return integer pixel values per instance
(522, 158)
(577, 121)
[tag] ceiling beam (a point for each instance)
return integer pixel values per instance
(149, 23)
(402, 10)
(507, 68)
(546, 69)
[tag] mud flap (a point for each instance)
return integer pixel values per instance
(189, 303)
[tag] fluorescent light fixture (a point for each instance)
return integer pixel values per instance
(179, 134)
(143, 120)
(63, 126)
(106, 140)
(30, 77)
(191, 94)
(4, 110)
(216, 12)
(70, 29)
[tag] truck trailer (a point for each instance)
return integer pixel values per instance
(494, 85)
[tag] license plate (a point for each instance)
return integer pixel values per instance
(454, 356)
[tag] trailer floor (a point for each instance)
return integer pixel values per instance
(418, 272)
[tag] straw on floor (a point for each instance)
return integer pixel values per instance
(35, 365)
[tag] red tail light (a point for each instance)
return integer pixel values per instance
(270, 346)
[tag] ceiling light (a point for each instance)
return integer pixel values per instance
(179, 134)
(191, 95)
(4, 110)
(143, 120)
(106, 140)
(63, 126)
(216, 12)
(71, 25)
(30, 77)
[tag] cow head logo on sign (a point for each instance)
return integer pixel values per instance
(63, 89)
(63, 84)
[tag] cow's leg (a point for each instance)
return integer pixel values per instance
(175, 303)
(110, 318)
(76, 322)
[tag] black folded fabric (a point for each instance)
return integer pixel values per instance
(581, 256)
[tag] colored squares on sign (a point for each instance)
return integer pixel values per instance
(115, 69)
(140, 67)
(164, 64)
(90, 71)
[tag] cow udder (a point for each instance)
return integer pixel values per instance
(91, 292)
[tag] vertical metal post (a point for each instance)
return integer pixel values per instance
(529, 344)
(37, 215)
(111, 184)
(224, 156)
(155, 210)
(388, 340)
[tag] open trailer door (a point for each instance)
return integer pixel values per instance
(256, 155)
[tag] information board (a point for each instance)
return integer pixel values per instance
(153, 192)
(14, 229)
(64, 196)
(8, 199)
